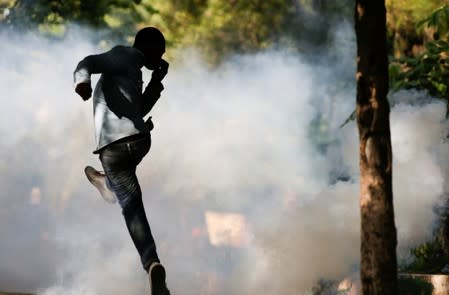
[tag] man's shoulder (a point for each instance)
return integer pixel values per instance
(126, 49)
(127, 53)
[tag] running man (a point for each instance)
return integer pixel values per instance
(123, 136)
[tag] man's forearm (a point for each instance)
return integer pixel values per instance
(150, 96)
(114, 61)
(83, 71)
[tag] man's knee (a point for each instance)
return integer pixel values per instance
(131, 203)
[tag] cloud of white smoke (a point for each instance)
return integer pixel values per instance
(258, 136)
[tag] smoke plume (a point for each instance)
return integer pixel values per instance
(259, 137)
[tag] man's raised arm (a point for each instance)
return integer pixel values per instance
(153, 90)
(113, 61)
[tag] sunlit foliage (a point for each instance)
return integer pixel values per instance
(216, 27)
(428, 70)
(402, 19)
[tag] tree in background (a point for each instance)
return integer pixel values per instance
(114, 18)
(407, 39)
(378, 266)
(221, 27)
(218, 28)
(427, 70)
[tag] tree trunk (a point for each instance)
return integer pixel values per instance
(378, 264)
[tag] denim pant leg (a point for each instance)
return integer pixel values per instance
(119, 162)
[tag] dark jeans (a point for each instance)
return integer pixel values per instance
(119, 161)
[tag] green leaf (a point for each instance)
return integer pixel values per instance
(349, 119)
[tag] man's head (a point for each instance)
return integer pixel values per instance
(151, 42)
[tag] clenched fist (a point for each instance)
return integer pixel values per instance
(84, 90)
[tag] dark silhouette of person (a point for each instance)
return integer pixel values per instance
(123, 136)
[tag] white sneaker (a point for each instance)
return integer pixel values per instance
(98, 179)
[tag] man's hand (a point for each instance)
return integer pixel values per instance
(161, 71)
(84, 90)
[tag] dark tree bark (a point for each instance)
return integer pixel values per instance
(378, 268)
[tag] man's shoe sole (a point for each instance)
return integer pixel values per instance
(108, 195)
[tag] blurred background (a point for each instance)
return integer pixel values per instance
(251, 184)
